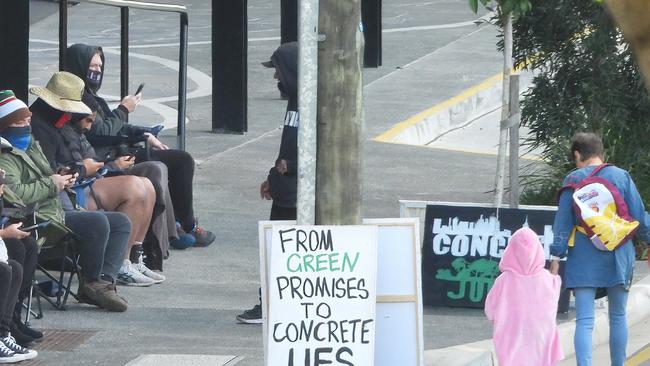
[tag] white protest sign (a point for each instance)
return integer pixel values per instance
(322, 295)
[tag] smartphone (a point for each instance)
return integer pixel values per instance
(140, 87)
(40, 225)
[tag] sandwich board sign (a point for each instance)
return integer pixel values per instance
(322, 287)
(393, 326)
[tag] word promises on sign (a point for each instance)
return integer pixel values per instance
(322, 293)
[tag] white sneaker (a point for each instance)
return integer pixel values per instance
(130, 276)
(156, 277)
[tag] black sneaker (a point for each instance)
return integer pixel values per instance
(26, 330)
(20, 337)
(252, 316)
(203, 237)
(10, 342)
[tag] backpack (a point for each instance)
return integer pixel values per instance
(601, 211)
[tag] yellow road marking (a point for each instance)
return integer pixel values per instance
(639, 357)
(401, 126)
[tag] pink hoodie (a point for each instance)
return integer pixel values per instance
(522, 305)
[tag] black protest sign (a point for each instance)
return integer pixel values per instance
(463, 246)
(322, 295)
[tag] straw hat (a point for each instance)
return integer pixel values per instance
(63, 92)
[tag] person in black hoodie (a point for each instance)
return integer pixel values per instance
(88, 62)
(281, 184)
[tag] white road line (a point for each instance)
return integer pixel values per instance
(275, 38)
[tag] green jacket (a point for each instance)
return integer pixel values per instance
(29, 176)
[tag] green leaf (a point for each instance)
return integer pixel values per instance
(473, 4)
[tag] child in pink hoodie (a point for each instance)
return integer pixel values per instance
(522, 305)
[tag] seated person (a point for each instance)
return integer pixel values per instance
(10, 280)
(22, 248)
(103, 235)
(87, 62)
(134, 196)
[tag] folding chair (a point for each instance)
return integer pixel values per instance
(58, 253)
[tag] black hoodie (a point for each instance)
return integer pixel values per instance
(108, 122)
(284, 187)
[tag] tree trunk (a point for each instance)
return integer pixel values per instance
(340, 114)
(632, 16)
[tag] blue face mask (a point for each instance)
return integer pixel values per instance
(18, 137)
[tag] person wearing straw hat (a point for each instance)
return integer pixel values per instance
(103, 235)
(87, 62)
(133, 195)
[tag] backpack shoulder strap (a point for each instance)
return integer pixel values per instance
(598, 169)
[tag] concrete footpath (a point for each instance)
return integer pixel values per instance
(638, 314)
(433, 52)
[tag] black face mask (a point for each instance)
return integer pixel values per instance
(94, 80)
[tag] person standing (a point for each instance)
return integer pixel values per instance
(281, 184)
(587, 267)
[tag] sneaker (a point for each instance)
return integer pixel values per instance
(252, 316)
(103, 294)
(9, 356)
(26, 330)
(156, 277)
(184, 240)
(130, 276)
(203, 237)
(10, 342)
(20, 337)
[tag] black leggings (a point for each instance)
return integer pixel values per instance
(25, 252)
(180, 166)
(11, 275)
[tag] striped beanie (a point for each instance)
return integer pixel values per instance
(12, 109)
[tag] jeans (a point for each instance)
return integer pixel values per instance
(617, 298)
(11, 275)
(25, 252)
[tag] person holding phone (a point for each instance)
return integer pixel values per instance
(132, 195)
(88, 63)
(22, 248)
(103, 235)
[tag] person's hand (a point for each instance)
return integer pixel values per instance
(124, 162)
(61, 181)
(92, 166)
(554, 268)
(155, 143)
(130, 102)
(265, 190)
(13, 232)
(281, 166)
(71, 181)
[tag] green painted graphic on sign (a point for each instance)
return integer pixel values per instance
(478, 275)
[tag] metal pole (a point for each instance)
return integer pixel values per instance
(307, 106)
(14, 46)
(289, 21)
(514, 141)
(505, 98)
(182, 81)
(229, 66)
(63, 32)
(124, 52)
(371, 17)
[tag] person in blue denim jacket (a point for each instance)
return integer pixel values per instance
(588, 268)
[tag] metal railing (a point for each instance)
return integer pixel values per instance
(124, 6)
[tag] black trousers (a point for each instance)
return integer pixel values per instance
(279, 213)
(180, 167)
(25, 252)
(11, 275)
